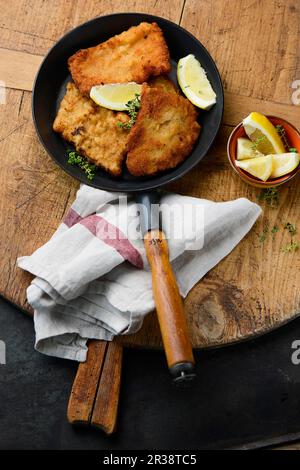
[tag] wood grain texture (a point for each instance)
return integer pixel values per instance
(254, 288)
(85, 386)
(95, 393)
(105, 410)
(255, 43)
(11, 75)
(34, 26)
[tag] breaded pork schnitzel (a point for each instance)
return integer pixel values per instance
(164, 83)
(132, 56)
(92, 129)
(165, 131)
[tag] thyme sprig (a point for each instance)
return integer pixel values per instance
(77, 160)
(291, 228)
(282, 134)
(133, 107)
(270, 196)
(258, 141)
(274, 230)
(291, 247)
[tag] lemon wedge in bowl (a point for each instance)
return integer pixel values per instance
(261, 167)
(194, 82)
(245, 149)
(284, 163)
(263, 134)
(115, 96)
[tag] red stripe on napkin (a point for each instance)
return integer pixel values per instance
(107, 233)
(72, 218)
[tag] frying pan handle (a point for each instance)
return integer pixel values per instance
(167, 298)
(169, 308)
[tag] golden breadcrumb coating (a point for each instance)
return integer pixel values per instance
(132, 56)
(164, 134)
(164, 83)
(93, 130)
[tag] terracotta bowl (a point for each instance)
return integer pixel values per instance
(293, 137)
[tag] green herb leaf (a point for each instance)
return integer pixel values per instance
(262, 236)
(280, 129)
(282, 134)
(75, 159)
(274, 229)
(293, 150)
(133, 107)
(257, 141)
(291, 247)
(270, 196)
(291, 228)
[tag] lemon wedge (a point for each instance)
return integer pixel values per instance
(194, 82)
(261, 167)
(262, 132)
(245, 149)
(115, 96)
(284, 164)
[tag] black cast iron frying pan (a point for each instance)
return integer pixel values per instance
(48, 91)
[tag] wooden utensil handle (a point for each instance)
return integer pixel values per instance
(169, 306)
(106, 404)
(95, 392)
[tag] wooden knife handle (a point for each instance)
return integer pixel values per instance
(169, 306)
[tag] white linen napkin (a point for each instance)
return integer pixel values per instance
(92, 277)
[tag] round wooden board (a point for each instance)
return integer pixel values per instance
(254, 289)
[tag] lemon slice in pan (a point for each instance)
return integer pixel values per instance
(115, 96)
(194, 82)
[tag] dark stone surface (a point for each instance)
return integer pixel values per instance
(244, 395)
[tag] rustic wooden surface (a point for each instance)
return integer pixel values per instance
(256, 48)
